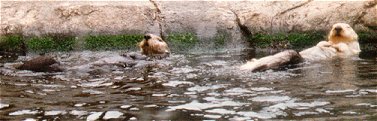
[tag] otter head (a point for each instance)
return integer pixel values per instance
(342, 32)
(153, 45)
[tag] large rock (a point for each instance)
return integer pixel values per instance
(270, 17)
(207, 19)
(77, 18)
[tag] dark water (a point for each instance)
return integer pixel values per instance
(190, 86)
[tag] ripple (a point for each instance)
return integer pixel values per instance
(221, 111)
(270, 98)
(339, 91)
(112, 115)
(78, 113)
(212, 116)
(176, 83)
(53, 113)
(197, 106)
(94, 116)
(305, 113)
(205, 88)
(3, 106)
(237, 91)
(24, 112)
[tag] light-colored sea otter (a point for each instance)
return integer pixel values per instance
(342, 42)
(153, 45)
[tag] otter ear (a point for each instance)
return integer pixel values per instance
(147, 37)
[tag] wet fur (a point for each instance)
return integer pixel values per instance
(41, 64)
(342, 42)
(153, 45)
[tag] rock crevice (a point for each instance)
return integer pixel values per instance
(157, 17)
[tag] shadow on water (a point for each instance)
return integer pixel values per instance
(190, 86)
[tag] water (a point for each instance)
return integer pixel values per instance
(189, 86)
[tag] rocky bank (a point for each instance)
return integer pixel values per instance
(206, 19)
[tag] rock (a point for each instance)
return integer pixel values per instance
(79, 18)
(206, 19)
(41, 64)
(309, 15)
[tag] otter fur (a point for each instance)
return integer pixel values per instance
(342, 42)
(153, 45)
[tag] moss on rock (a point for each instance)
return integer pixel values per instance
(287, 40)
(16, 43)
(368, 40)
(182, 41)
(51, 42)
(110, 42)
(12, 43)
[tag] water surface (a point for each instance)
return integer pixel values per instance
(193, 86)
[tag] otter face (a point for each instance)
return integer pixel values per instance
(342, 32)
(153, 45)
